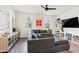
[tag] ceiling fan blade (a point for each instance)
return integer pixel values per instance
(42, 6)
(51, 8)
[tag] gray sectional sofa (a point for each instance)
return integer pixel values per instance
(47, 45)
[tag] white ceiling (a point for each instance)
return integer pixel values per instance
(38, 9)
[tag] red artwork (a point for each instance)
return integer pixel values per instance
(38, 22)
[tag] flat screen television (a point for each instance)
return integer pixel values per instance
(71, 22)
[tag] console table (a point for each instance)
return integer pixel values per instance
(8, 40)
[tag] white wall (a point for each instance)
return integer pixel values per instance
(74, 31)
(21, 22)
(53, 22)
(70, 14)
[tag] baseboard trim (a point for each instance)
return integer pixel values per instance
(23, 37)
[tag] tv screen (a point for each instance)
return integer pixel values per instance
(71, 22)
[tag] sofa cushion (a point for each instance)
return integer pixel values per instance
(36, 31)
(43, 31)
(39, 45)
(61, 42)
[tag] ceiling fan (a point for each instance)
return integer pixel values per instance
(46, 8)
